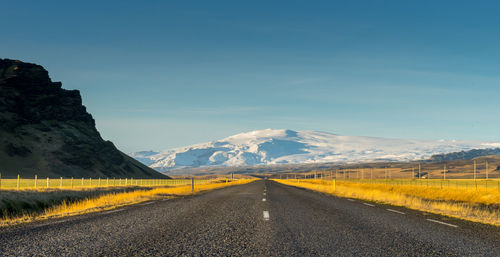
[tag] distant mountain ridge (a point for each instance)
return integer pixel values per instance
(283, 146)
(45, 130)
(465, 155)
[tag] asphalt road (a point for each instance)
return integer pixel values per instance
(237, 221)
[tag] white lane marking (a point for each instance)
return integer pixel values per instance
(368, 204)
(146, 203)
(266, 215)
(263, 199)
(107, 212)
(400, 212)
(48, 224)
(443, 223)
(349, 199)
(263, 193)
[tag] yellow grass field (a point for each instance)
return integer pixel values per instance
(114, 200)
(460, 199)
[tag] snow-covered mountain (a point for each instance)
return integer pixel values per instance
(280, 146)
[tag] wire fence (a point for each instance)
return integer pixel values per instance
(467, 184)
(46, 183)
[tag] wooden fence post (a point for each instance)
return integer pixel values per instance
(71, 182)
(486, 169)
(192, 185)
(60, 183)
(48, 183)
(474, 170)
(18, 182)
(35, 181)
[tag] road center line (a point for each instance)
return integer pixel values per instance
(443, 223)
(369, 204)
(266, 215)
(400, 212)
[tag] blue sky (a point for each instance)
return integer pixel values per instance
(161, 74)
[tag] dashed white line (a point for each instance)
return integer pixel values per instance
(400, 212)
(369, 204)
(443, 223)
(263, 193)
(263, 199)
(146, 203)
(349, 199)
(266, 215)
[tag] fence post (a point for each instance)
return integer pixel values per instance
(474, 170)
(71, 182)
(486, 169)
(99, 183)
(48, 183)
(107, 182)
(35, 181)
(82, 181)
(18, 182)
(125, 181)
(90, 182)
(192, 185)
(60, 183)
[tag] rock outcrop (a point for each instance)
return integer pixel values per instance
(45, 130)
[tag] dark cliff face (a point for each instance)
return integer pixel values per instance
(46, 130)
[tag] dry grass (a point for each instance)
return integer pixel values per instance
(470, 204)
(114, 200)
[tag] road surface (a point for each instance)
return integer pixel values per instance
(262, 218)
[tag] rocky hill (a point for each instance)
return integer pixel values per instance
(45, 130)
